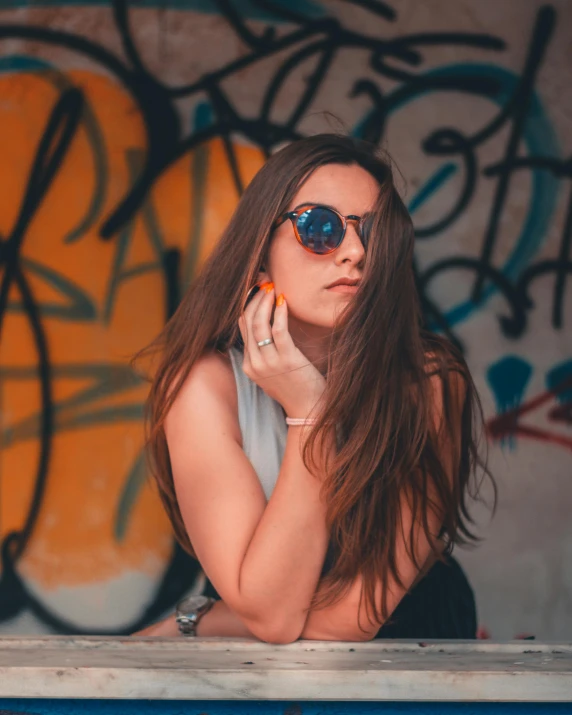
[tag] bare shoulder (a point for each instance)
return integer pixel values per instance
(214, 372)
(208, 393)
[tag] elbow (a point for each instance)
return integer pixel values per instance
(275, 631)
(271, 625)
(279, 637)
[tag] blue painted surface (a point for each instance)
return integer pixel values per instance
(557, 375)
(255, 707)
(509, 378)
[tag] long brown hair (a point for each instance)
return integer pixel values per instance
(378, 393)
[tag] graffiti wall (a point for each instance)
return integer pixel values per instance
(127, 133)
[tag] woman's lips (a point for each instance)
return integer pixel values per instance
(343, 289)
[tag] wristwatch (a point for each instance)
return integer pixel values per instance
(189, 612)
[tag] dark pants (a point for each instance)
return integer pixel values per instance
(442, 605)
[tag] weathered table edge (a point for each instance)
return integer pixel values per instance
(524, 679)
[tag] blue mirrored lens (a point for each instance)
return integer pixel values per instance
(365, 231)
(320, 229)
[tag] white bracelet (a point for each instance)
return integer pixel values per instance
(299, 421)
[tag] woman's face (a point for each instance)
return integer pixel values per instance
(304, 277)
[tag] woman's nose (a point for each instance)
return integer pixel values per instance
(352, 246)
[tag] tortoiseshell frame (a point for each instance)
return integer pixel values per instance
(293, 216)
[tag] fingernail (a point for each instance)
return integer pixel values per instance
(280, 299)
(268, 287)
(263, 285)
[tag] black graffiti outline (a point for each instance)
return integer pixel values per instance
(14, 595)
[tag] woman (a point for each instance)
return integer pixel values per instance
(337, 524)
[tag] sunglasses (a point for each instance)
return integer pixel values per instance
(321, 229)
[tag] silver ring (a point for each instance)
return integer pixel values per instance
(262, 343)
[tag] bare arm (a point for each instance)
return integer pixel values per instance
(264, 559)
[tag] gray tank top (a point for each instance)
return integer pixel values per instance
(262, 425)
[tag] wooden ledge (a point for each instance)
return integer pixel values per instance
(221, 669)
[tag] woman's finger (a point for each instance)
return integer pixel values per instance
(261, 327)
(280, 333)
(258, 329)
(247, 314)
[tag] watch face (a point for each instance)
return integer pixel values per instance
(194, 603)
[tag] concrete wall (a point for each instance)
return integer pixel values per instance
(125, 140)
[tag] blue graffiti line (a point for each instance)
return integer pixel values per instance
(556, 376)
(432, 185)
(22, 63)
(309, 8)
(508, 378)
(539, 138)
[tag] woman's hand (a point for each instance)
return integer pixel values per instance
(280, 369)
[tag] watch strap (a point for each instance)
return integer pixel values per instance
(188, 621)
